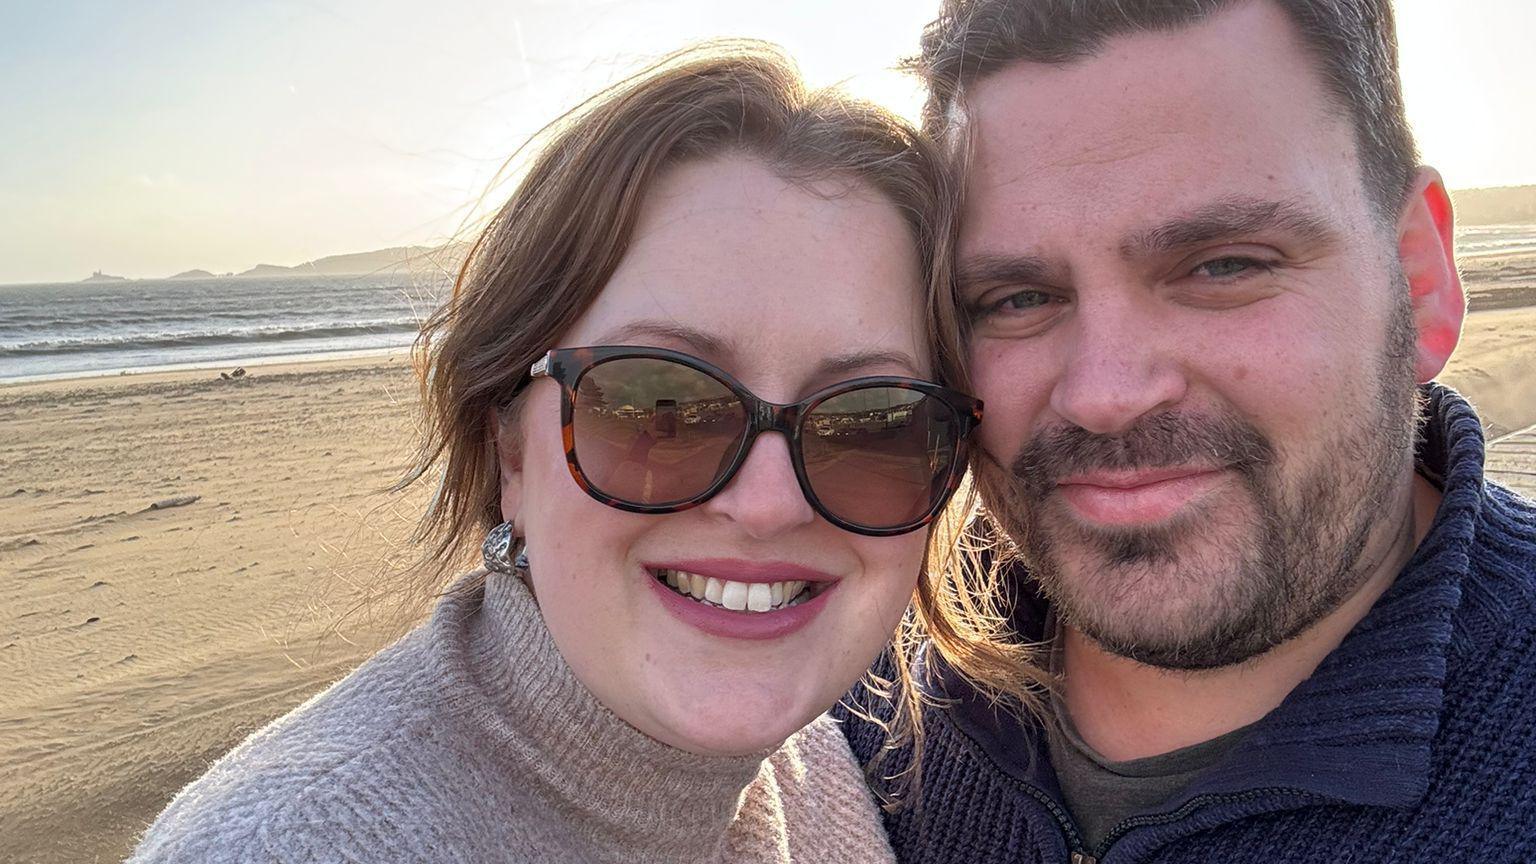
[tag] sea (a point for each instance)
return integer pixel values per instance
(1495, 241)
(93, 328)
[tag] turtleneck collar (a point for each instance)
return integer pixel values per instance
(627, 794)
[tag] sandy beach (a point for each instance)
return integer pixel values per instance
(184, 558)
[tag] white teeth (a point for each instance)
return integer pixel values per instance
(736, 596)
(759, 596)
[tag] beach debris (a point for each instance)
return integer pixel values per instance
(231, 376)
(93, 619)
(178, 501)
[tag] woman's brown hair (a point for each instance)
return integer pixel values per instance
(547, 254)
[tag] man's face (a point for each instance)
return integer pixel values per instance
(1193, 337)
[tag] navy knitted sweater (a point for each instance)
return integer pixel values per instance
(1412, 742)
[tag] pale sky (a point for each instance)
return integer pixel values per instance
(147, 138)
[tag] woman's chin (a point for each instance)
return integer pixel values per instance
(729, 722)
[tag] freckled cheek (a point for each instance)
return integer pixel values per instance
(575, 542)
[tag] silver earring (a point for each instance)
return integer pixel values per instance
(497, 551)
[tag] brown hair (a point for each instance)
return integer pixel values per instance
(1353, 42)
(547, 254)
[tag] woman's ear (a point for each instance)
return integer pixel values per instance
(1425, 246)
(506, 443)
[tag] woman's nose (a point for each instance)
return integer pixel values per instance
(764, 498)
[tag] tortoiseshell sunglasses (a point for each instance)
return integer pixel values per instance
(655, 431)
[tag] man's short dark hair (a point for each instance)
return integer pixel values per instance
(1353, 41)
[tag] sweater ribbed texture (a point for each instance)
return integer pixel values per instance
(471, 740)
(1411, 742)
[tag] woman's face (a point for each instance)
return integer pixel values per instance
(788, 291)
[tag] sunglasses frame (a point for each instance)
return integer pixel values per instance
(567, 367)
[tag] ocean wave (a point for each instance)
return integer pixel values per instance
(118, 319)
(153, 341)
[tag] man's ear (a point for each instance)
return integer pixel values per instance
(505, 443)
(1426, 248)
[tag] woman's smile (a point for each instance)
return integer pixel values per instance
(734, 598)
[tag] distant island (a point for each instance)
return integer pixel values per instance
(194, 274)
(99, 276)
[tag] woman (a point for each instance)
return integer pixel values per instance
(681, 383)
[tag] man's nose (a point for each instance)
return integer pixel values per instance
(764, 498)
(1121, 365)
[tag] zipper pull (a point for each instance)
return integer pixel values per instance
(1080, 858)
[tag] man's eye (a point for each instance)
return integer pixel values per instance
(1022, 300)
(1226, 268)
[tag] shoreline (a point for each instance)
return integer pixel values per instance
(169, 370)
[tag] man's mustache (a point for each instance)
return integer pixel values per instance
(1167, 440)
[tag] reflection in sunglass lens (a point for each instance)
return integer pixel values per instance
(879, 456)
(652, 431)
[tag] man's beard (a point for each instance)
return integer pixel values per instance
(1161, 596)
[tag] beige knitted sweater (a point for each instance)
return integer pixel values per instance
(470, 740)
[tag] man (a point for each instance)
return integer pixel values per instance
(1288, 619)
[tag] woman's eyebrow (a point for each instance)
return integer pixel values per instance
(1228, 218)
(843, 365)
(700, 343)
(720, 351)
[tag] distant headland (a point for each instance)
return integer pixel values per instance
(1501, 205)
(398, 260)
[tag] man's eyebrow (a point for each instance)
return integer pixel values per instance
(1002, 270)
(699, 342)
(1231, 217)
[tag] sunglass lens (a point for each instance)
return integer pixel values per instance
(880, 457)
(654, 432)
